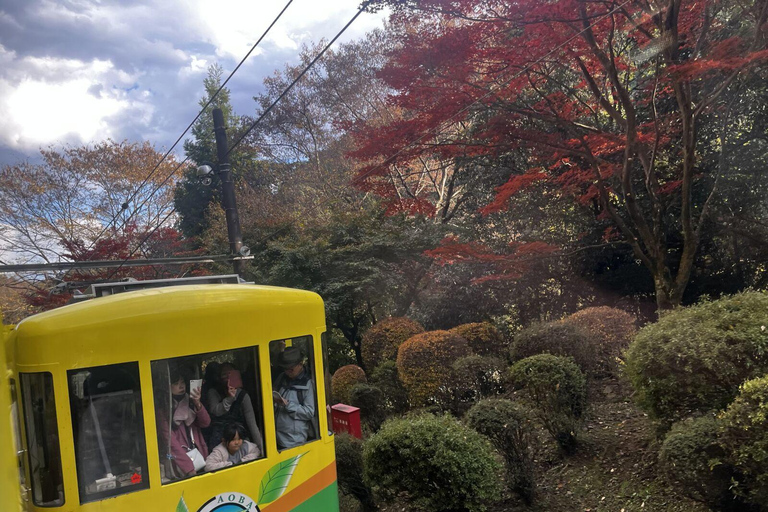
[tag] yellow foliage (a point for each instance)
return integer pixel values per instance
(483, 338)
(424, 364)
(344, 380)
(381, 341)
(613, 330)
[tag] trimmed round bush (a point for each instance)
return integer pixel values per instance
(381, 341)
(508, 426)
(477, 376)
(611, 329)
(424, 364)
(484, 338)
(349, 470)
(694, 359)
(439, 463)
(556, 390)
(693, 459)
(558, 339)
(744, 436)
(344, 380)
(370, 400)
(386, 379)
(348, 503)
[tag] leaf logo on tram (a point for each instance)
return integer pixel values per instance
(272, 486)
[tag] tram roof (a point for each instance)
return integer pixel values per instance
(162, 304)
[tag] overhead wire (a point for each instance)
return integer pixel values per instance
(296, 80)
(126, 203)
(141, 244)
(465, 109)
(261, 117)
(440, 130)
(202, 111)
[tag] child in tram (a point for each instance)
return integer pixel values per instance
(188, 448)
(232, 450)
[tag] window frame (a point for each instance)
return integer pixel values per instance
(143, 462)
(257, 402)
(312, 363)
(58, 476)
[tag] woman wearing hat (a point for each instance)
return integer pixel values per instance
(294, 398)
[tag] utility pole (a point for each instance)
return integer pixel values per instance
(228, 194)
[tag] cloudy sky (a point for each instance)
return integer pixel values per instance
(75, 71)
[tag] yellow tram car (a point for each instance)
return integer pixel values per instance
(105, 398)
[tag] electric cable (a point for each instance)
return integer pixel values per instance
(316, 206)
(125, 204)
(295, 81)
(264, 114)
(526, 68)
(140, 244)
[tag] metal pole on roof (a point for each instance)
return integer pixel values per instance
(229, 204)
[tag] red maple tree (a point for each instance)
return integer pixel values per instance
(613, 102)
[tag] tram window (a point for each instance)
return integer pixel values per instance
(294, 394)
(198, 399)
(108, 424)
(42, 439)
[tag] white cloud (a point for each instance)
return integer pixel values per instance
(44, 99)
(234, 25)
(196, 67)
(83, 70)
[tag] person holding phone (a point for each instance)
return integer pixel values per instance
(294, 399)
(188, 416)
(229, 403)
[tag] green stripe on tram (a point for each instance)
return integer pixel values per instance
(326, 500)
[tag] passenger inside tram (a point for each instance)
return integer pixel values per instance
(229, 403)
(189, 417)
(203, 408)
(233, 449)
(294, 400)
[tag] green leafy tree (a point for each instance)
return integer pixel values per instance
(192, 198)
(365, 266)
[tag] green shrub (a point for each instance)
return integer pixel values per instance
(484, 339)
(556, 390)
(424, 364)
(437, 461)
(386, 379)
(348, 503)
(344, 380)
(692, 457)
(694, 359)
(370, 400)
(349, 470)
(381, 341)
(611, 329)
(508, 426)
(478, 376)
(744, 437)
(558, 339)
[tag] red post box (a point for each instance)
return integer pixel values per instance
(346, 419)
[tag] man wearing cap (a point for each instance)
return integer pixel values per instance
(294, 399)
